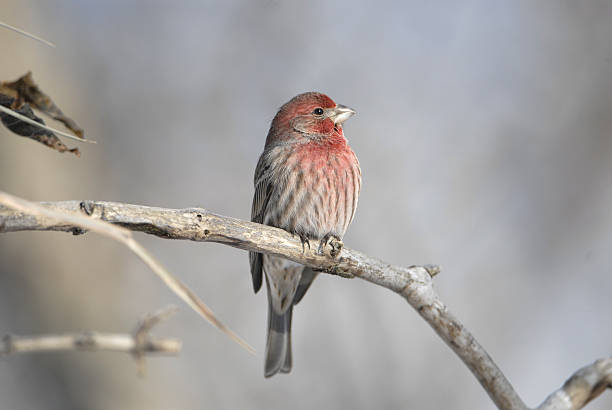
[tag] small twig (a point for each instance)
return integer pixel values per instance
(124, 236)
(153, 319)
(23, 118)
(25, 33)
(138, 344)
(142, 330)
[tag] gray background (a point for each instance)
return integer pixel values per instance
(484, 135)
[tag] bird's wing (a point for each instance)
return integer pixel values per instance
(263, 190)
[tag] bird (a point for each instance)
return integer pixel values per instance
(307, 182)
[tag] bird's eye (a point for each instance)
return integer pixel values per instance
(318, 111)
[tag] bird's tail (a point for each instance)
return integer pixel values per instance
(278, 345)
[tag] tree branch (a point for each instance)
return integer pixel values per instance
(138, 344)
(196, 224)
(582, 387)
(78, 221)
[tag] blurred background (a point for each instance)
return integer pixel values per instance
(484, 135)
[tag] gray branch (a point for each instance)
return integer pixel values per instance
(413, 283)
(138, 344)
(584, 385)
(86, 341)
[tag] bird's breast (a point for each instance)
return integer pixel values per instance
(316, 191)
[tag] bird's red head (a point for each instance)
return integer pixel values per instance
(311, 115)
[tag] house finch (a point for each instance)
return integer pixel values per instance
(307, 182)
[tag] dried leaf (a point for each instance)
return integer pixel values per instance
(27, 130)
(21, 96)
(28, 92)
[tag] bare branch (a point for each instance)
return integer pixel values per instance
(413, 283)
(77, 221)
(138, 344)
(86, 341)
(582, 387)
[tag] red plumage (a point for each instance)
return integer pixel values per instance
(307, 182)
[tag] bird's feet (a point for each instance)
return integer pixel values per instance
(334, 242)
(305, 241)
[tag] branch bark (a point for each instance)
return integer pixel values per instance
(413, 283)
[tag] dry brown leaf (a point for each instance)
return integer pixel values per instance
(28, 92)
(31, 131)
(21, 96)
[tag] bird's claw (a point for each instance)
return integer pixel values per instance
(336, 245)
(334, 242)
(305, 241)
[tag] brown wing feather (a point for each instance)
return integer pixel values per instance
(263, 190)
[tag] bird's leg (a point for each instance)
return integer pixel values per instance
(334, 242)
(304, 240)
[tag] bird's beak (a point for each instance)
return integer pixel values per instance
(340, 114)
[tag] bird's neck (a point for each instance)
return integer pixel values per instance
(329, 144)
